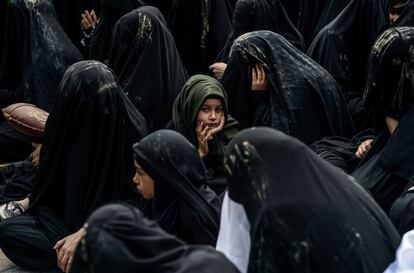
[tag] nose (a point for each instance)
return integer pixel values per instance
(135, 179)
(213, 115)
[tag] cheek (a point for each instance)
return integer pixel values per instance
(202, 117)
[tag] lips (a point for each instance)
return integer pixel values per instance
(212, 125)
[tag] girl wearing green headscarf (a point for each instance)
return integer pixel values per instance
(200, 114)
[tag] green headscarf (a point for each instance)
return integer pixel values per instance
(187, 104)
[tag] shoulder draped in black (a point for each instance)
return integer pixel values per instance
(86, 158)
(183, 204)
(305, 214)
(119, 239)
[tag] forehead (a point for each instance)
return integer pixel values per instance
(212, 101)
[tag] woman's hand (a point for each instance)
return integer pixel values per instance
(65, 249)
(259, 80)
(35, 155)
(364, 148)
(88, 20)
(392, 124)
(218, 70)
(204, 134)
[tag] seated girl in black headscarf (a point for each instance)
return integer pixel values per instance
(294, 94)
(200, 114)
(170, 171)
(120, 239)
(389, 166)
(304, 215)
(85, 162)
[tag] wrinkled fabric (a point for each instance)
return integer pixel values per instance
(234, 235)
(36, 53)
(86, 159)
(390, 157)
(183, 204)
(310, 16)
(303, 100)
(119, 239)
(342, 47)
(110, 12)
(147, 63)
(305, 215)
(200, 29)
(402, 211)
(251, 15)
(404, 262)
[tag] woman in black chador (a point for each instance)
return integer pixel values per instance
(35, 54)
(200, 29)
(85, 162)
(286, 90)
(251, 15)
(110, 12)
(148, 66)
(170, 171)
(120, 239)
(389, 165)
(304, 214)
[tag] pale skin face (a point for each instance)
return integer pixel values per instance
(144, 183)
(210, 120)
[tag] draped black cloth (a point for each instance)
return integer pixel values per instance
(16, 180)
(303, 100)
(389, 165)
(85, 159)
(310, 16)
(145, 59)
(36, 53)
(342, 47)
(251, 15)
(305, 215)
(119, 239)
(183, 204)
(110, 12)
(162, 5)
(402, 211)
(200, 29)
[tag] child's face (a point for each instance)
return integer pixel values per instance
(145, 184)
(211, 113)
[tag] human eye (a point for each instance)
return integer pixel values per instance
(205, 109)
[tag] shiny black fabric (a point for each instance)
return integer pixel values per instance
(119, 239)
(200, 29)
(183, 203)
(110, 12)
(251, 15)
(85, 159)
(305, 215)
(147, 64)
(389, 165)
(303, 99)
(342, 47)
(36, 53)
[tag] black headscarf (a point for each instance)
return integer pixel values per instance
(183, 204)
(85, 159)
(147, 63)
(110, 12)
(200, 29)
(119, 239)
(389, 91)
(306, 215)
(342, 47)
(305, 101)
(251, 15)
(36, 53)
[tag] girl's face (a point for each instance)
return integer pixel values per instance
(210, 113)
(145, 184)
